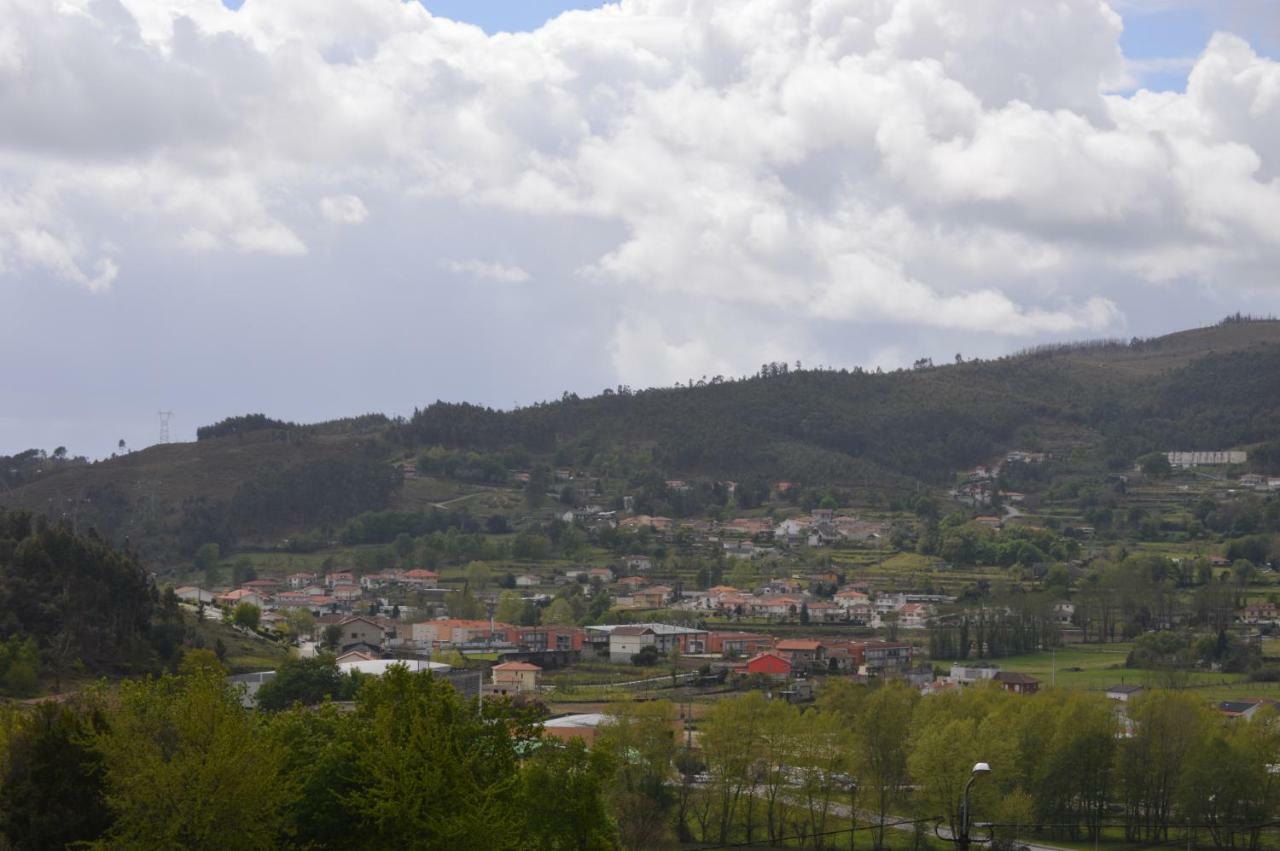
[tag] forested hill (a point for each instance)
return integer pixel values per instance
(1207, 388)
(1100, 404)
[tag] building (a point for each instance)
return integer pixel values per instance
(540, 638)
(767, 664)
(665, 637)
(626, 641)
(1017, 683)
(378, 667)
(1123, 693)
(1206, 459)
(527, 580)
(360, 633)
(456, 631)
(192, 594)
(511, 678)
(582, 726)
(886, 657)
(737, 645)
(420, 578)
(240, 595)
(967, 675)
(802, 653)
(1245, 708)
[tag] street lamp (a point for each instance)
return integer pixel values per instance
(979, 769)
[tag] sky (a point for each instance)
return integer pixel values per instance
(320, 208)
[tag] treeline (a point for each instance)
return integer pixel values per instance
(78, 600)
(179, 763)
(242, 425)
(1062, 765)
(383, 527)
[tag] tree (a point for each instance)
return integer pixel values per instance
(431, 772)
(297, 622)
(186, 767)
(246, 615)
(560, 612)
(51, 785)
(331, 639)
(638, 740)
(206, 561)
(1156, 465)
(563, 794)
(305, 681)
(510, 607)
(478, 575)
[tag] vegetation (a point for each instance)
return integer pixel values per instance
(177, 762)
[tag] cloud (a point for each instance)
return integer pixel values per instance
(708, 185)
(343, 209)
(488, 271)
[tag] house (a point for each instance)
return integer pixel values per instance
(770, 665)
(527, 580)
(967, 675)
(822, 611)
(420, 578)
(193, 594)
(604, 574)
(1123, 693)
(361, 633)
(638, 564)
(914, 616)
(885, 657)
(1261, 613)
(626, 641)
(298, 581)
(515, 678)
(1017, 683)
(381, 579)
(1064, 612)
(651, 598)
(777, 607)
(631, 582)
(803, 653)
(344, 577)
(265, 587)
(345, 592)
(240, 595)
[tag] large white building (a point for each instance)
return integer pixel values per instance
(1207, 459)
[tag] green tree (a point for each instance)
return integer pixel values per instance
(187, 767)
(563, 797)
(246, 615)
(510, 607)
(478, 575)
(51, 785)
(206, 561)
(305, 681)
(639, 740)
(432, 773)
(560, 612)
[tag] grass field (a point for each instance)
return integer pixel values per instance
(1095, 667)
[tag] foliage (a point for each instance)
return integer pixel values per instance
(241, 425)
(76, 597)
(305, 681)
(187, 767)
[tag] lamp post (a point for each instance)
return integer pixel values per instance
(962, 841)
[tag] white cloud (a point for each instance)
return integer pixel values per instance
(941, 166)
(343, 209)
(487, 271)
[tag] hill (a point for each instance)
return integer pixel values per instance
(1098, 405)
